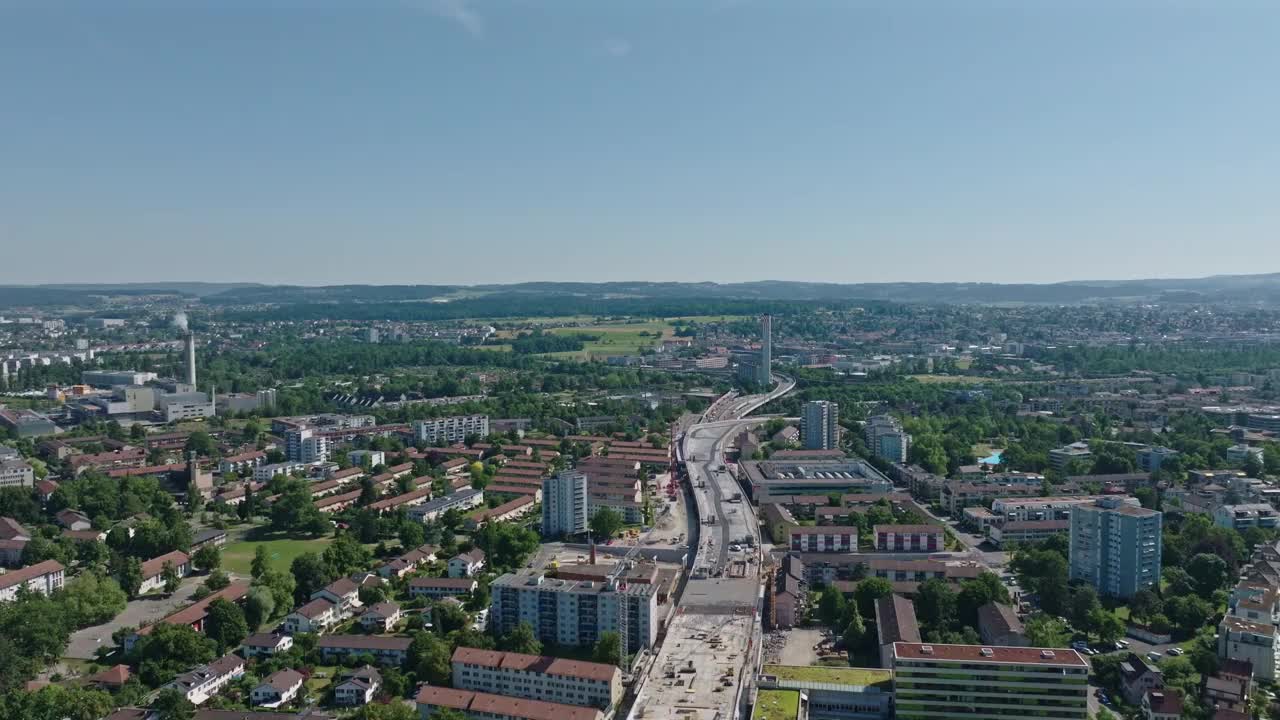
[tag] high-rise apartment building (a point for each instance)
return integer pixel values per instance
(972, 681)
(886, 439)
(575, 612)
(564, 504)
(306, 446)
(820, 426)
(1115, 546)
(450, 429)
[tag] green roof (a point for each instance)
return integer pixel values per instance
(865, 677)
(777, 705)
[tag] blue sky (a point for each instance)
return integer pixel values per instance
(466, 141)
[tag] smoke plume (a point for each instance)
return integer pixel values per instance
(180, 321)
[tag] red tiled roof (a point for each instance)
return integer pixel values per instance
(545, 664)
(155, 566)
(22, 575)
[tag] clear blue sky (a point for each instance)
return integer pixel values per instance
(443, 141)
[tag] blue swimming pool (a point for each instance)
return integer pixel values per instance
(993, 458)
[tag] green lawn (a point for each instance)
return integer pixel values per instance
(238, 557)
(841, 675)
(777, 705)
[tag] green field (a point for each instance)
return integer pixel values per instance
(238, 557)
(866, 677)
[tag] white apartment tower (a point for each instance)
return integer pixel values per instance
(819, 425)
(564, 504)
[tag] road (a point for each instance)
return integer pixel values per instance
(716, 626)
(85, 643)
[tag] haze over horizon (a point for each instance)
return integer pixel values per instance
(472, 142)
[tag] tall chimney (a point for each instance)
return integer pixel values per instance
(766, 347)
(191, 358)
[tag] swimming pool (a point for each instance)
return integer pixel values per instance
(993, 458)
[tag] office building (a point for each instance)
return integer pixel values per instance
(564, 504)
(450, 429)
(306, 446)
(819, 425)
(575, 613)
(949, 681)
(885, 438)
(535, 677)
(1116, 547)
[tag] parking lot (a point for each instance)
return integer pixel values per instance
(85, 643)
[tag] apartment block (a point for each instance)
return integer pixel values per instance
(1254, 642)
(573, 612)
(43, 577)
(207, 680)
(886, 439)
(450, 429)
(950, 681)
(908, 538)
(824, 538)
(1116, 547)
(306, 446)
(564, 504)
(820, 425)
(487, 706)
(386, 650)
(536, 677)
(1243, 517)
(16, 473)
(464, 499)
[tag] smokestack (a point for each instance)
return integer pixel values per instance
(191, 358)
(766, 347)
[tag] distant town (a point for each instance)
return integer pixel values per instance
(310, 504)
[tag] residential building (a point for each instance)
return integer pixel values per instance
(314, 617)
(535, 677)
(306, 446)
(343, 593)
(357, 687)
(430, 511)
(1116, 547)
(13, 540)
(441, 587)
(895, 622)
(819, 425)
(43, 577)
(467, 564)
(408, 562)
(209, 536)
(264, 473)
(113, 678)
(15, 472)
(885, 438)
(242, 463)
(575, 613)
(1163, 704)
(153, 570)
(1229, 687)
(366, 458)
(73, 519)
(1239, 455)
(386, 650)
(998, 624)
(909, 538)
(1150, 459)
(381, 617)
(790, 593)
(207, 680)
(265, 644)
(824, 539)
(1137, 678)
(1254, 642)
(564, 504)
(279, 688)
(941, 681)
(1243, 517)
(450, 429)
(487, 706)
(1059, 458)
(1026, 531)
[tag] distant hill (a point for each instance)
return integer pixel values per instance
(1263, 289)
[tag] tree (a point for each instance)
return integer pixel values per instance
(200, 443)
(1178, 582)
(281, 584)
(1106, 625)
(258, 607)
(400, 711)
(854, 634)
(1145, 603)
(310, 573)
(168, 650)
(174, 705)
(346, 555)
(412, 534)
(225, 624)
(1046, 632)
(1084, 601)
(1188, 613)
(429, 656)
(208, 557)
(867, 592)
(976, 592)
(216, 581)
(171, 579)
(936, 603)
(1209, 573)
(450, 618)
(522, 640)
(608, 648)
(261, 562)
(92, 599)
(137, 432)
(506, 545)
(831, 606)
(128, 573)
(56, 702)
(606, 523)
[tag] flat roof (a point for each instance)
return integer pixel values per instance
(777, 705)
(865, 677)
(998, 654)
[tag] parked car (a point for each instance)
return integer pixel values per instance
(1153, 655)
(1175, 651)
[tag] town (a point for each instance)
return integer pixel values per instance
(786, 511)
